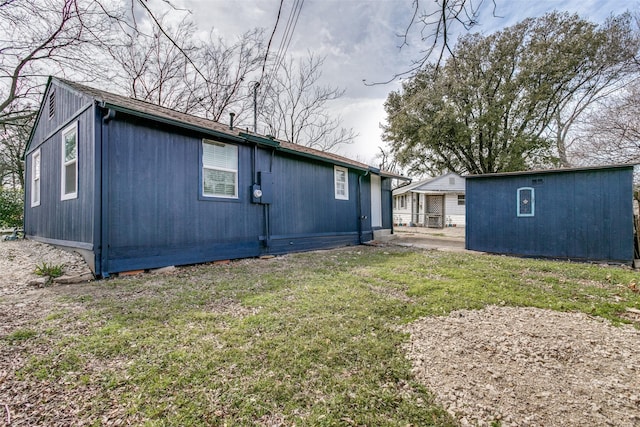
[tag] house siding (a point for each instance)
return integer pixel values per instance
(67, 222)
(157, 216)
(139, 203)
(454, 213)
(579, 214)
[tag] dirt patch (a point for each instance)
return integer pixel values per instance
(19, 258)
(529, 367)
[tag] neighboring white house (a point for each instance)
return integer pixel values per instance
(435, 202)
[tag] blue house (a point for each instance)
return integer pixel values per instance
(131, 185)
(578, 214)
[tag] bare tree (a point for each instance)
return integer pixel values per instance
(155, 67)
(612, 132)
(603, 63)
(13, 143)
(67, 38)
(171, 68)
(295, 106)
(227, 69)
(46, 37)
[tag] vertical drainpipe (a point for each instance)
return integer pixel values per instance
(104, 193)
(359, 207)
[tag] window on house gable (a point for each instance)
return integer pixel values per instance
(341, 182)
(460, 199)
(526, 201)
(69, 168)
(452, 180)
(219, 170)
(35, 178)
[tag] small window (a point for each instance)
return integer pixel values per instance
(35, 178)
(452, 180)
(219, 170)
(395, 202)
(341, 182)
(460, 199)
(526, 201)
(69, 178)
(52, 103)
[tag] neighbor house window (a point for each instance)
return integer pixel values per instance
(219, 170)
(70, 162)
(526, 201)
(452, 180)
(460, 199)
(341, 181)
(35, 178)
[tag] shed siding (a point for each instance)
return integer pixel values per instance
(69, 221)
(582, 214)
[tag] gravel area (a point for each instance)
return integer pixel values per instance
(529, 367)
(19, 258)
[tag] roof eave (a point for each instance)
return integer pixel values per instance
(173, 122)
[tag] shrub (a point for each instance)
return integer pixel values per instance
(50, 270)
(11, 208)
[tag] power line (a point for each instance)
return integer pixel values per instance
(285, 42)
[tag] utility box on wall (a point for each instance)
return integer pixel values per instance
(579, 213)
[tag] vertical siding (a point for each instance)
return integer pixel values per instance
(155, 211)
(70, 221)
(584, 214)
(67, 104)
(156, 216)
(305, 204)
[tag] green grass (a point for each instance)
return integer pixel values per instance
(309, 339)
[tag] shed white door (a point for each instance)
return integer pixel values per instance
(376, 201)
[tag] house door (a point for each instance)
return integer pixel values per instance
(415, 208)
(435, 211)
(376, 202)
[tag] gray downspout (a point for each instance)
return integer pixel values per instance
(104, 192)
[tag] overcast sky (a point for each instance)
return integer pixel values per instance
(359, 40)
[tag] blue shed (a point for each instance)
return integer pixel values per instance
(579, 214)
(131, 185)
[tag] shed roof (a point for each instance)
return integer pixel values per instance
(166, 115)
(547, 171)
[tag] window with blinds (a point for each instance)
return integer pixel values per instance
(219, 169)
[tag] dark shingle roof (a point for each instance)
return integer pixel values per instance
(153, 111)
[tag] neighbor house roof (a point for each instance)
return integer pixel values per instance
(155, 112)
(427, 185)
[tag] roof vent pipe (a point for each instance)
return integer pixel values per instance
(231, 116)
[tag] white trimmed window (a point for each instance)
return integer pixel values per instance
(219, 170)
(35, 178)
(526, 202)
(461, 199)
(69, 168)
(341, 182)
